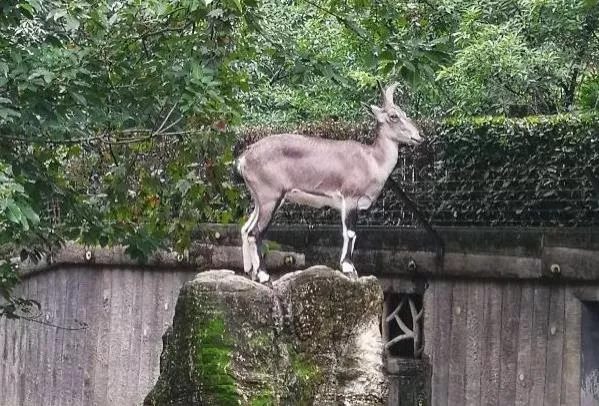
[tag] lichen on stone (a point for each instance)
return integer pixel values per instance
(311, 340)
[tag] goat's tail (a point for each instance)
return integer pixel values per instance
(239, 160)
(238, 169)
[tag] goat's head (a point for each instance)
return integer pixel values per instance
(393, 121)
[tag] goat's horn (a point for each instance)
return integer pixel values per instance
(378, 82)
(389, 93)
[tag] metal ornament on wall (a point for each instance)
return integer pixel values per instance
(414, 333)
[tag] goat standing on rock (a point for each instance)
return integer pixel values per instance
(345, 175)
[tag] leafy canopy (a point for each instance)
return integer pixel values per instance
(118, 114)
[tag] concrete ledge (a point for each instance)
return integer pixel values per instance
(551, 254)
(198, 257)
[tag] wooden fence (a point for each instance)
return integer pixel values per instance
(503, 343)
(114, 361)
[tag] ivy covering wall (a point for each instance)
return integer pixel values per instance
(485, 171)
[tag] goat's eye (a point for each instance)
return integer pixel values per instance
(393, 117)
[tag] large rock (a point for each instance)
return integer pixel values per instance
(311, 340)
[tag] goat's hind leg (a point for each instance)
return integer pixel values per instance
(255, 233)
(349, 219)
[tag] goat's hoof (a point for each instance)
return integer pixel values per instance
(263, 277)
(349, 270)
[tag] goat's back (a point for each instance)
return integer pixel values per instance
(288, 161)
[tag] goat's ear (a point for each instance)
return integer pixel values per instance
(378, 112)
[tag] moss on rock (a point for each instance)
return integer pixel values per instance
(236, 342)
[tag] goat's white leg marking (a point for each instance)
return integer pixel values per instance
(245, 244)
(254, 256)
(352, 237)
(348, 220)
(258, 228)
(345, 235)
(349, 237)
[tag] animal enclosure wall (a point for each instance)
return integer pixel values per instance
(503, 343)
(114, 361)
(500, 327)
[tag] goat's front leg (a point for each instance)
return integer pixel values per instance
(246, 250)
(349, 220)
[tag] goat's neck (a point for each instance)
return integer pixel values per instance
(385, 151)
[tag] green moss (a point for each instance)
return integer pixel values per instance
(260, 341)
(263, 399)
(212, 358)
(308, 376)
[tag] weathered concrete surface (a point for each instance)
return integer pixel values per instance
(311, 340)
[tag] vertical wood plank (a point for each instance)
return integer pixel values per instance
(103, 345)
(33, 331)
(428, 303)
(91, 305)
(49, 343)
(393, 399)
(81, 291)
(11, 338)
(21, 351)
(160, 323)
(125, 394)
(570, 393)
(3, 359)
(555, 347)
(118, 336)
(539, 345)
(71, 336)
(474, 327)
(524, 377)
(510, 318)
(150, 329)
(457, 356)
(440, 380)
(491, 345)
(40, 349)
(135, 338)
(57, 388)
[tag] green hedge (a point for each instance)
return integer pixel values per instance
(532, 171)
(487, 171)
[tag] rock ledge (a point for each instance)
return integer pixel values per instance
(311, 340)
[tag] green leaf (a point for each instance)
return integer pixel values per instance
(13, 213)
(29, 213)
(4, 69)
(6, 113)
(78, 97)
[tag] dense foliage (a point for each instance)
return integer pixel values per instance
(454, 57)
(533, 171)
(118, 117)
(117, 114)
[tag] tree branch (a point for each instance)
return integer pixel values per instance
(439, 243)
(339, 18)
